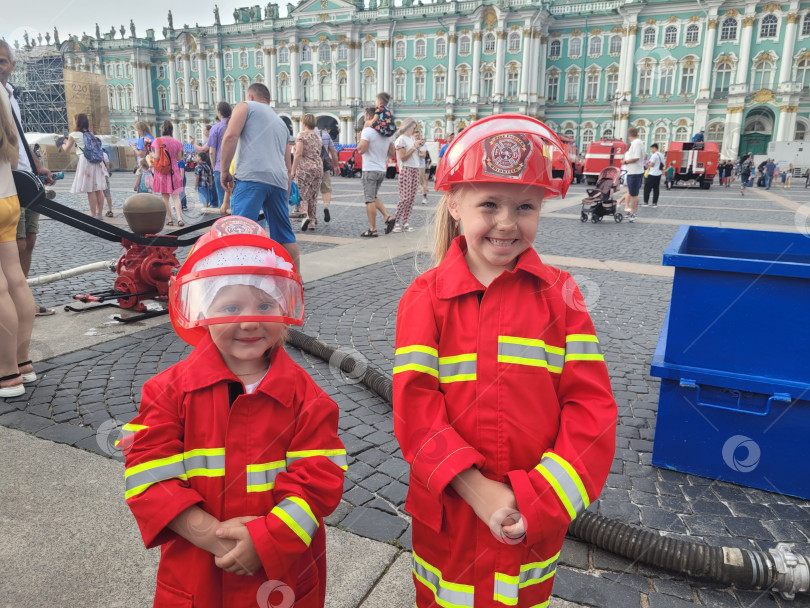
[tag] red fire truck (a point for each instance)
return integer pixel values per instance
(695, 162)
(557, 164)
(601, 155)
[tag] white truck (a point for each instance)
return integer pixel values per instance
(786, 153)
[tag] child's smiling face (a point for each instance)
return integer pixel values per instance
(248, 340)
(499, 222)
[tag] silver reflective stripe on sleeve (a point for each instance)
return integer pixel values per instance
(417, 358)
(457, 368)
(295, 512)
(566, 483)
(338, 456)
(582, 347)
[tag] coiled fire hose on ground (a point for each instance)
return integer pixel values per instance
(779, 569)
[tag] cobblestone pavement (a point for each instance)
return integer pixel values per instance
(80, 394)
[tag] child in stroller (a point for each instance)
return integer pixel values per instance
(600, 201)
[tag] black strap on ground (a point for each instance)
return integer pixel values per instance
(109, 232)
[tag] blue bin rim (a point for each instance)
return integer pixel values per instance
(674, 254)
(766, 385)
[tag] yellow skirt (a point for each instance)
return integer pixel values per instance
(9, 217)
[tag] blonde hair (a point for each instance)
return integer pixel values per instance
(446, 229)
(309, 121)
(9, 144)
(405, 125)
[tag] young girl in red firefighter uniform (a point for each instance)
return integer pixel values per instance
(502, 401)
(234, 458)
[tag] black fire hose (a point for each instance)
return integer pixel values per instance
(779, 569)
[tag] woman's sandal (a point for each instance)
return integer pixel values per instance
(110, 214)
(12, 391)
(370, 233)
(181, 223)
(170, 223)
(28, 377)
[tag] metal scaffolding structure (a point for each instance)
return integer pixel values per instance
(40, 87)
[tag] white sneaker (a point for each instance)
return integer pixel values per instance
(406, 227)
(631, 217)
(424, 200)
(397, 227)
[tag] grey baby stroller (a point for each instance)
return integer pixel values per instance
(600, 201)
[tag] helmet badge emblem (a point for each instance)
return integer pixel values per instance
(506, 155)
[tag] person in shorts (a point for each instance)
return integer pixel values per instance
(326, 180)
(376, 149)
(634, 164)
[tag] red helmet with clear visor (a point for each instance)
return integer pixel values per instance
(509, 148)
(234, 274)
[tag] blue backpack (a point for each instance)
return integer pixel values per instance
(92, 148)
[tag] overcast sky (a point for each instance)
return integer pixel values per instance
(77, 16)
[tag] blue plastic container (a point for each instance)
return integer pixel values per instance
(734, 358)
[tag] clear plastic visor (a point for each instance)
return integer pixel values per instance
(265, 295)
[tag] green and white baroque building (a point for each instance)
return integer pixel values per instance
(739, 70)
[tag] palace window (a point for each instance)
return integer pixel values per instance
(324, 53)
(161, 72)
(419, 86)
(489, 42)
(554, 49)
(806, 25)
(181, 94)
(607, 133)
(194, 63)
(682, 134)
(611, 84)
(108, 70)
(803, 73)
(258, 58)
(128, 70)
(463, 86)
(118, 71)
(306, 89)
(660, 137)
(212, 62)
(763, 71)
(572, 86)
(230, 92)
(243, 59)
(644, 82)
(464, 45)
(284, 55)
(440, 47)
(306, 52)
(648, 38)
(420, 48)
(722, 78)
(212, 91)
(325, 88)
(553, 87)
(369, 87)
(615, 45)
(399, 50)
(692, 34)
(439, 87)
(369, 49)
(487, 80)
(342, 89)
(343, 51)
(715, 132)
(228, 61)
(671, 35)
(728, 31)
(687, 80)
(574, 46)
(243, 88)
(592, 87)
(284, 90)
(514, 42)
(801, 131)
(667, 80)
(595, 45)
(512, 85)
(399, 87)
(163, 104)
(767, 28)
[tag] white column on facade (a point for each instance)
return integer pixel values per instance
(528, 56)
(137, 85)
(623, 60)
(172, 81)
(270, 72)
(218, 76)
(787, 123)
(500, 71)
(707, 63)
(295, 75)
(333, 55)
(731, 132)
(381, 78)
(538, 90)
(786, 67)
(476, 69)
(628, 59)
(451, 66)
(202, 74)
(187, 79)
(743, 66)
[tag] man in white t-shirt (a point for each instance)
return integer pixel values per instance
(655, 166)
(375, 150)
(634, 164)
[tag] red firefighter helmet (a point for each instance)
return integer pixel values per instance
(236, 251)
(508, 148)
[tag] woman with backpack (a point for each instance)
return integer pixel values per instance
(89, 178)
(168, 178)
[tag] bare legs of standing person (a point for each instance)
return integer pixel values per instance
(178, 209)
(16, 315)
(96, 200)
(371, 211)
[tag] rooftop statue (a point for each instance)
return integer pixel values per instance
(171, 21)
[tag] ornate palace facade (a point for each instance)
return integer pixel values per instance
(739, 70)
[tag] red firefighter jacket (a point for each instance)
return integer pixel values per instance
(516, 386)
(273, 453)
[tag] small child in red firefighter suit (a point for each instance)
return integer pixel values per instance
(502, 401)
(234, 459)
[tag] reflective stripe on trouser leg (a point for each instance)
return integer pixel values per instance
(295, 512)
(507, 587)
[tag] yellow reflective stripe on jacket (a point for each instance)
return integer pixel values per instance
(203, 462)
(128, 430)
(337, 456)
(507, 587)
(566, 483)
(582, 347)
(446, 594)
(262, 477)
(458, 368)
(295, 512)
(417, 358)
(531, 352)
